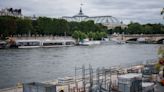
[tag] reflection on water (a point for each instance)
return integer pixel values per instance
(41, 64)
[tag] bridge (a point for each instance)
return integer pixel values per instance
(156, 38)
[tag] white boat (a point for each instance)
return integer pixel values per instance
(57, 43)
(3, 44)
(141, 40)
(106, 41)
(89, 43)
(117, 41)
(28, 43)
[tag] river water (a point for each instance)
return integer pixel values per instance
(42, 64)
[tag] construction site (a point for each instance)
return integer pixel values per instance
(138, 78)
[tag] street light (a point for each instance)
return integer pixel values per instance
(162, 12)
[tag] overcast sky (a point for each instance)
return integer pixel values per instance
(143, 11)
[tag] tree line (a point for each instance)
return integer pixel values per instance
(91, 35)
(10, 26)
(136, 28)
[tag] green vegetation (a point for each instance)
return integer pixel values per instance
(136, 28)
(158, 66)
(10, 26)
(160, 63)
(91, 35)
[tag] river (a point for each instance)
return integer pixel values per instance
(42, 64)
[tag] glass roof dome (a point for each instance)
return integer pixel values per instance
(80, 14)
(97, 19)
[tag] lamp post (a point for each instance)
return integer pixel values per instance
(162, 12)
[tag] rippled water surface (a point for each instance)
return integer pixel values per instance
(41, 64)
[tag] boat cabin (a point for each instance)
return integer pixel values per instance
(28, 43)
(57, 43)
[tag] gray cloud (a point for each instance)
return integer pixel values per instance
(144, 11)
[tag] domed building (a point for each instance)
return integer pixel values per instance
(108, 21)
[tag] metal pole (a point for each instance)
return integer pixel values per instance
(83, 74)
(98, 79)
(105, 78)
(91, 78)
(76, 79)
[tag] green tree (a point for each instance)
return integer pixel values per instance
(24, 26)
(78, 35)
(7, 26)
(45, 25)
(148, 29)
(134, 28)
(118, 30)
(90, 35)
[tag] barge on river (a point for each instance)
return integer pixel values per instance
(28, 43)
(57, 43)
(43, 43)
